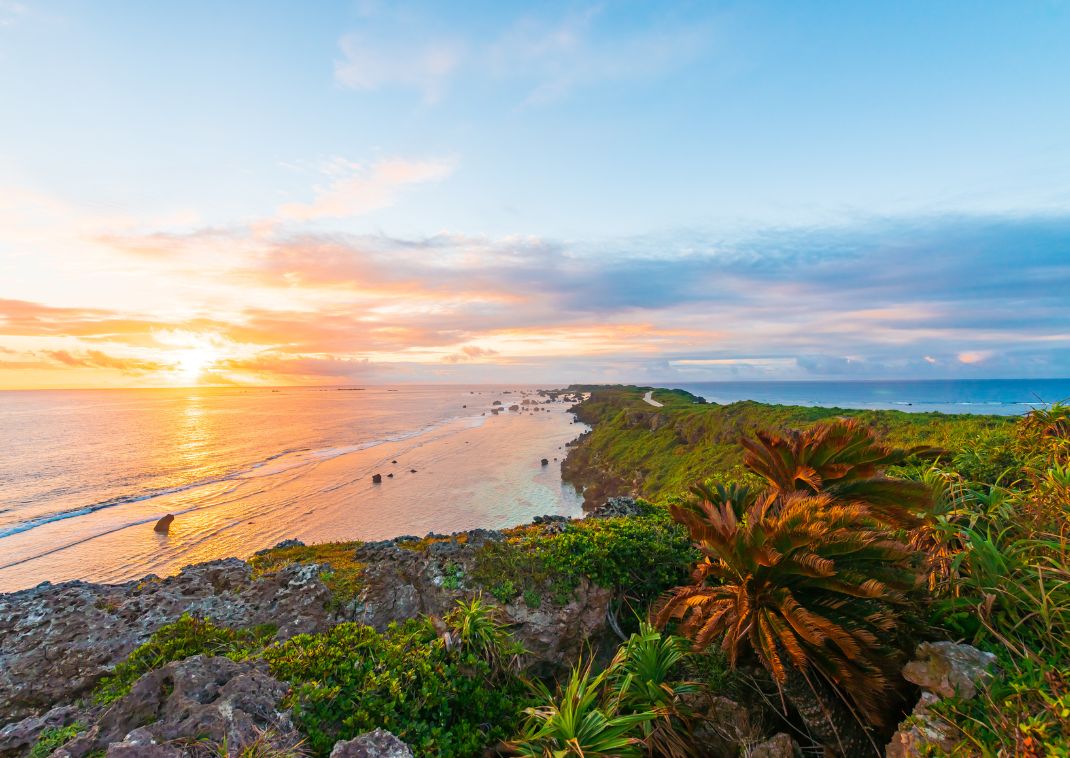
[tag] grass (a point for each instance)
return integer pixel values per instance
(343, 578)
(661, 452)
(54, 738)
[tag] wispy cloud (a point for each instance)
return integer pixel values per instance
(355, 189)
(425, 66)
(543, 57)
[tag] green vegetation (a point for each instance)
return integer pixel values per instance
(447, 695)
(808, 575)
(809, 559)
(343, 578)
(638, 556)
(181, 639)
(630, 708)
(662, 452)
(1002, 580)
(52, 739)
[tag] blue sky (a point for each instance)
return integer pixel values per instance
(626, 191)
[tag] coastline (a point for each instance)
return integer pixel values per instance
(472, 472)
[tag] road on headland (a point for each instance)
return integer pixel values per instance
(649, 397)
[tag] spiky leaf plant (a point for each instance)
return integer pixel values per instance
(844, 460)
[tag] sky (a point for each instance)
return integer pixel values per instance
(273, 193)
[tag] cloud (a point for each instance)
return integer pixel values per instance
(947, 296)
(555, 57)
(370, 65)
(469, 353)
(97, 359)
(356, 189)
(545, 58)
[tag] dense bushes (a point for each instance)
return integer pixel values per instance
(639, 556)
(1002, 581)
(443, 695)
(181, 639)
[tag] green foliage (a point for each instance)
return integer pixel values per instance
(640, 556)
(54, 738)
(1002, 582)
(452, 574)
(187, 636)
(343, 575)
(1024, 711)
(532, 599)
(475, 627)
(442, 699)
(664, 451)
(630, 708)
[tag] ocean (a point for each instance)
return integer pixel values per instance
(85, 474)
(988, 396)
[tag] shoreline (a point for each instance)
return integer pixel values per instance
(467, 476)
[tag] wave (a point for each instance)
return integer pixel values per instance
(250, 471)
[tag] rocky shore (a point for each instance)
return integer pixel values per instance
(57, 642)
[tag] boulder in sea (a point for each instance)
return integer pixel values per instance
(545, 462)
(412, 471)
(377, 478)
(393, 461)
(389, 476)
(163, 524)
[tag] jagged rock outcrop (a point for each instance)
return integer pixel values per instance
(57, 641)
(213, 701)
(941, 669)
(18, 737)
(376, 744)
(403, 580)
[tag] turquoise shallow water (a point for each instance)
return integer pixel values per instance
(991, 396)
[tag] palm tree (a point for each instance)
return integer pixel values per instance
(807, 575)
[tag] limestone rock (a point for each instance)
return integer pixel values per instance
(18, 737)
(941, 669)
(377, 744)
(57, 641)
(921, 733)
(780, 746)
(949, 668)
(209, 699)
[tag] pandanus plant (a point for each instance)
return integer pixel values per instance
(808, 575)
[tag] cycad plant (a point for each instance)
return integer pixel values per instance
(808, 576)
(844, 460)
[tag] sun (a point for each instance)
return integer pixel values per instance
(192, 363)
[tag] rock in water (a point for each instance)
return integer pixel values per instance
(545, 462)
(163, 524)
(377, 478)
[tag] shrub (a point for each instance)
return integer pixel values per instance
(639, 556)
(187, 636)
(442, 700)
(54, 738)
(630, 708)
